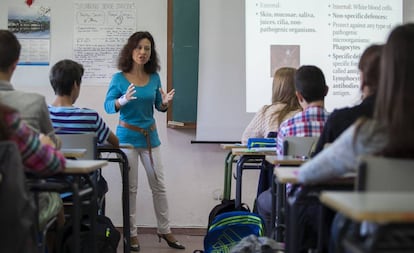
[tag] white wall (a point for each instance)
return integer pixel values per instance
(194, 172)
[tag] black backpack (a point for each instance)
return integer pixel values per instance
(107, 237)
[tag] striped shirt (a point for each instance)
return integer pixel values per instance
(71, 120)
(38, 158)
(309, 122)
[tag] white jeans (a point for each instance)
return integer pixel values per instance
(155, 175)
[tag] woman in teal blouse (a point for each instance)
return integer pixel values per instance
(134, 93)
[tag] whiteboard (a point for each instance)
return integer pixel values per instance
(89, 32)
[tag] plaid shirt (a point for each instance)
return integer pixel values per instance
(307, 123)
(37, 158)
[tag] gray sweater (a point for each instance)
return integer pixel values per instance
(31, 106)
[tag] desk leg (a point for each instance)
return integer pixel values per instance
(125, 206)
(122, 160)
(93, 213)
(76, 214)
(239, 175)
(321, 228)
(92, 210)
(228, 169)
(257, 162)
(280, 212)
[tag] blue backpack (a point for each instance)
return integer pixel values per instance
(228, 228)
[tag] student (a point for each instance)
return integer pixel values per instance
(311, 90)
(389, 133)
(31, 106)
(65, 78)
(284, 105)
(37, 150)
(134, 93)
(339, 120)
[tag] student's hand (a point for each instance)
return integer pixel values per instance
(45, 140)
(167, 97)
(128, 96)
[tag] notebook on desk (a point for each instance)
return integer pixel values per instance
(261, 142)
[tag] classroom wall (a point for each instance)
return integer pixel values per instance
(194, 172)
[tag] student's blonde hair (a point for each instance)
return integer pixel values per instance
(283, 91)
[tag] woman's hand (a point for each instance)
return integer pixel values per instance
(128, 96)
(167, 97)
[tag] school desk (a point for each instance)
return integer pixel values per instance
(282, 176)
(392, 212)
(228, 167)
(122, 160)
(378, 207)
(289, 175)
(82, 169)
(250, 158)
(286, 160)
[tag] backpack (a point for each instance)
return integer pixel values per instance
(229, 228)
(107, 237)
(226, 205)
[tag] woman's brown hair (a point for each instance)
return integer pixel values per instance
(369, 65)
(394, 106)
(125, 57)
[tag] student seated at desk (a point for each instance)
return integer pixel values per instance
(311, 90)
(65, 78)
(267, 120)
(284, 105)
(31, 106)
(39, 158)
(339, 120)
(37, 150)
(390, 132)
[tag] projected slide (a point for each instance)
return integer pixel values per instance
(330, 34)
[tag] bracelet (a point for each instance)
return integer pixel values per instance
(123, 100)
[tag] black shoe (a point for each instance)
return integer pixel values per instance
(134, 244)
(135, 248)
(175, 245)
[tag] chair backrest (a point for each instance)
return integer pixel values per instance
(87, 141)
(377, 173)
(17, 210)
(299, 146)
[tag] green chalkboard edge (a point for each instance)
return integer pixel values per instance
(170, 22)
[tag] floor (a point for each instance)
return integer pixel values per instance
(150, 244)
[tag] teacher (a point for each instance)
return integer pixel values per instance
(134, 92)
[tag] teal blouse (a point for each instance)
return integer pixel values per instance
(138, 112)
